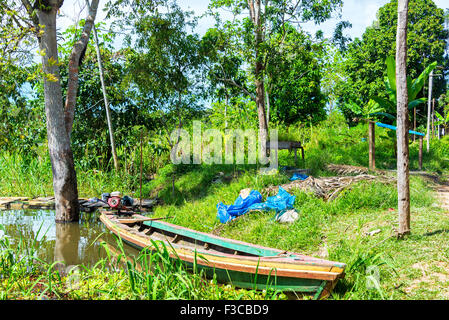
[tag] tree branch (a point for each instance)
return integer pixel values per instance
(74, 63)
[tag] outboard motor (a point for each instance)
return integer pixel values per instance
(127, 201)
(114, 201)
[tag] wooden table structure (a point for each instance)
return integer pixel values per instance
(289, 145)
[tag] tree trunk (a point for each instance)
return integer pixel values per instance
(255, 13)
(268, 105)
(64, 176)
(59, 121)
(226, 109)
(372, 145)
(414, 123)
(402, 120)
(429, 106)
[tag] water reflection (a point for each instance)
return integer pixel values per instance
(70, 243)
(66, 246)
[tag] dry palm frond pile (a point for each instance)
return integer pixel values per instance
(328, 188)
(343, 169)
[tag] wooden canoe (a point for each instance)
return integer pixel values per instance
(242, 264)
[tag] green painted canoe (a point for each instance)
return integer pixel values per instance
(242, 264)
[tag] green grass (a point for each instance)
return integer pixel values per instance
(341, 227)
(413, 268)
(32, 177)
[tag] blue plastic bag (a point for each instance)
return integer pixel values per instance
(241, 206)
(282, 201)
(298, 176)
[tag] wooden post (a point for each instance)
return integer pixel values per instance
(429, 106)
(414, 123)
(433, 117)
(402, 121)
(372, 145)
(421, 138)
(105, 98)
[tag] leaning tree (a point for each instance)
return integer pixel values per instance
(39, 18)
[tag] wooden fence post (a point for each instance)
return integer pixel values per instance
(421, 138)
(372, 147)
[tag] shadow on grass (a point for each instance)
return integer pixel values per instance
(183, 183)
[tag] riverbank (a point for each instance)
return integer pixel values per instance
(357, 228)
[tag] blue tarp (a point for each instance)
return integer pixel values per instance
(298, 176)
(282, 201)
(228, 212)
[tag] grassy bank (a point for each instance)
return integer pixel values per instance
(338, 230)
(414, 268)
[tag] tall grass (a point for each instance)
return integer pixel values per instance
(32, 177)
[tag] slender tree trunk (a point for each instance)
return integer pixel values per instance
(433, 117)
(402, 120)
(414, 123)
(255, 10)
(267, 95)
(226, 108)
(372, 145)
(429, 106)
(106, 102)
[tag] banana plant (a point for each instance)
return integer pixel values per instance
(442, 120)
(414, 86)
(368, 111)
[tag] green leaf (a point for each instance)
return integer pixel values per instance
(391, 72)
(439, 116)
(387, 115)
(418, 83)
(391, 92)
(416, 103)
(354, 107)
(386, 104)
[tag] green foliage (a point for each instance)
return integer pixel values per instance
(414, 87)
(366, 56)
(277, 52)
(294, 73)
(368, 112)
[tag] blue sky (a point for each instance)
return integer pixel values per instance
(361, 13)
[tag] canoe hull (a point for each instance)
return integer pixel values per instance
(242, 272)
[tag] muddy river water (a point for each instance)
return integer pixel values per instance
(72, 243)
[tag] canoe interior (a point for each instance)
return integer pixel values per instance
(244, 280)
(199, 241)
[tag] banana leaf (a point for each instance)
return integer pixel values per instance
(418, 83)
(416, 103)
(391, 72)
